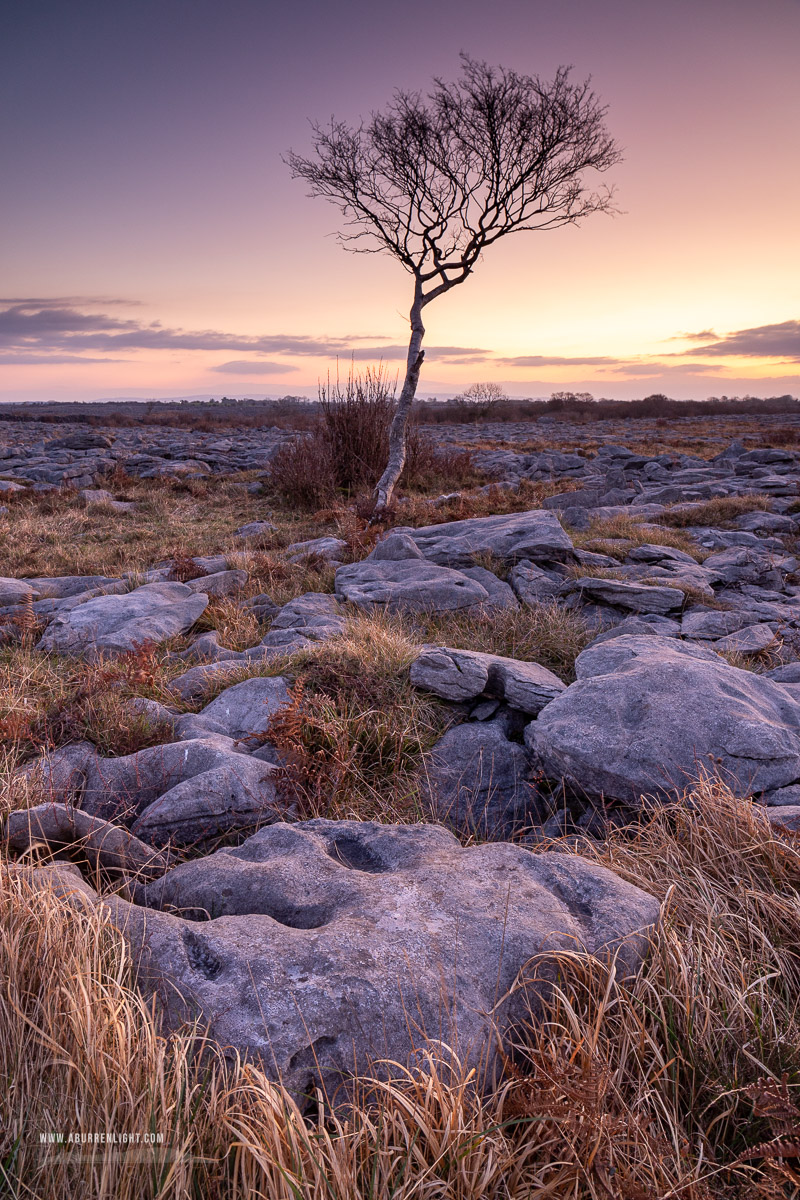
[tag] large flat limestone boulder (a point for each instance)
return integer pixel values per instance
(536, 535)
(118, 624)
(648, 713)
(326, 946)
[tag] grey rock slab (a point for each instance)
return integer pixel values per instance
(786, 816)
(209, 564)
(648, 624)
(121, 788)
(312, 617)
(785, 795)
(592, 561)
(95, 496)
(648, 553)
(408, 585)
(238, 795)
(501, 594)
(117, 624)
(206, 648)
(255, 529)
(752, 639)
(638, 597)
(788, 673)
(536, 535)
(648, 713)
(103, 844)
(478, 782)
(331, 549)
(466, 674)
(395, 546)
(533, 585)
(711, 624)
(738, 565)
(672, 574)
(16, 591)
(59, 775)
(576, 518)
(335, 944)
(220, 583)
(580, 498)
(765, 522)
(198, 680)
(245, 710)
(84, 440)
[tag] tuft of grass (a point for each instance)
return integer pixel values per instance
(615, 536)
(272, 574)
(355, 734)
(238, 627)
(715, 512)
(545, 633)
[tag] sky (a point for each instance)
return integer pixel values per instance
(154, 244)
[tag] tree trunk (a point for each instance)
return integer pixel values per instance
(384, 489)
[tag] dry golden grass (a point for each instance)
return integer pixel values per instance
(47, 702)
(418, 511)
(630, 1089)
(52, 533)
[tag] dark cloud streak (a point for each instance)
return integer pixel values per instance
(57, 326)
(763, 341)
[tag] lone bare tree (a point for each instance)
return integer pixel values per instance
(435, 181)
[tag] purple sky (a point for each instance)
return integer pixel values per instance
(154, 243)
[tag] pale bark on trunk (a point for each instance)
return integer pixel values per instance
(384, 489)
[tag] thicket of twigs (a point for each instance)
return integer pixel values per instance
(347, 448)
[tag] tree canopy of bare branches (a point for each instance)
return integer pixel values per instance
(435, 180)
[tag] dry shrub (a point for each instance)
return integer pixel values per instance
(347, 449)
(302, 472)
(185, 569)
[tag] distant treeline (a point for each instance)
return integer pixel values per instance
(296, 412)
(580, 407)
